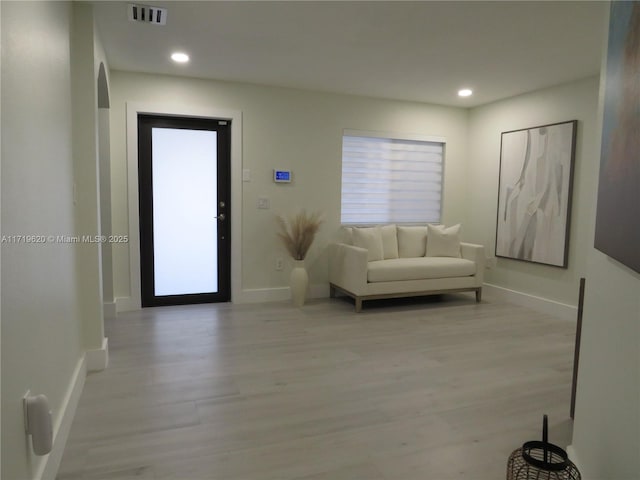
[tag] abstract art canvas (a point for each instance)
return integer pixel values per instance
(534, 193)
(618, 211)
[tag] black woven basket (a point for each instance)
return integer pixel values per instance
(537, 460)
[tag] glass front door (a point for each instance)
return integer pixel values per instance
(184, 210)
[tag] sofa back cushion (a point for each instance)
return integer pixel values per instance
(443, 242)
(389, 241)
(371, 239)
(412, 242)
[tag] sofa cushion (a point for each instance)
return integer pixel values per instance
(443, 242)
(371, 239)
(419, 269)
(389, 241)
(412, 241)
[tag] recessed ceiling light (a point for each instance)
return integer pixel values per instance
(180, 57)
(465, 92)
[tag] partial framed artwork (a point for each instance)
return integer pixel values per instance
(618, 212)
(534, 193)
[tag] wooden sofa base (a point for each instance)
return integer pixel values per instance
(333, 289)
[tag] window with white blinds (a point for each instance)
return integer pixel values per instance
(391, 180)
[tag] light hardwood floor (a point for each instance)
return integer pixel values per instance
(412, 389)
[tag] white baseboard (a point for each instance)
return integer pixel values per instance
(543, 305)
(109, 309)
(48, 469)
(98, 358)
(280, 294)
(248, 295)
(126, 304)
(262, 295)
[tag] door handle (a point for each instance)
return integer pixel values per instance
(221, 217)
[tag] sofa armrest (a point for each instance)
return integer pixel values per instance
(475, 253)
(348, 267)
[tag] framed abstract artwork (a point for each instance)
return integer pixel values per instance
(618, 212)
(534, 193)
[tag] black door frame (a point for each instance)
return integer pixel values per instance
(145, 193)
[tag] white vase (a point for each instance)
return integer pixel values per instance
(299, 282)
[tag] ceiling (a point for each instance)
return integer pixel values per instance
(418, 51)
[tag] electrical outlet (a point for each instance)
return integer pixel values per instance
(279, 263)
(263, 203)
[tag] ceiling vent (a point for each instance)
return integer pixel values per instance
(147, 14)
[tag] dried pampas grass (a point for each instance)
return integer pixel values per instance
(298, 231)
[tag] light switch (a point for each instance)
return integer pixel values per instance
(246, 175)
(263, 203)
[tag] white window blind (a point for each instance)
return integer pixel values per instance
(390, 180)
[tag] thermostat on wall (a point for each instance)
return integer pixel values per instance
(282, 176)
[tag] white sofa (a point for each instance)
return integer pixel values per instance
(389, 261)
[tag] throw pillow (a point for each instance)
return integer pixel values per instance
(412, 241)
(443, 242)
(389, 241)
(371, 239)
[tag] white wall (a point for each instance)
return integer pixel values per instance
(104, 155)
(85, 132)
(283, 128)
(52, 327)
(41, 327)
(574, 101)
(606, 432)
(0, 252)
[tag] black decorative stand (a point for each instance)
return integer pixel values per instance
(537, 460)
